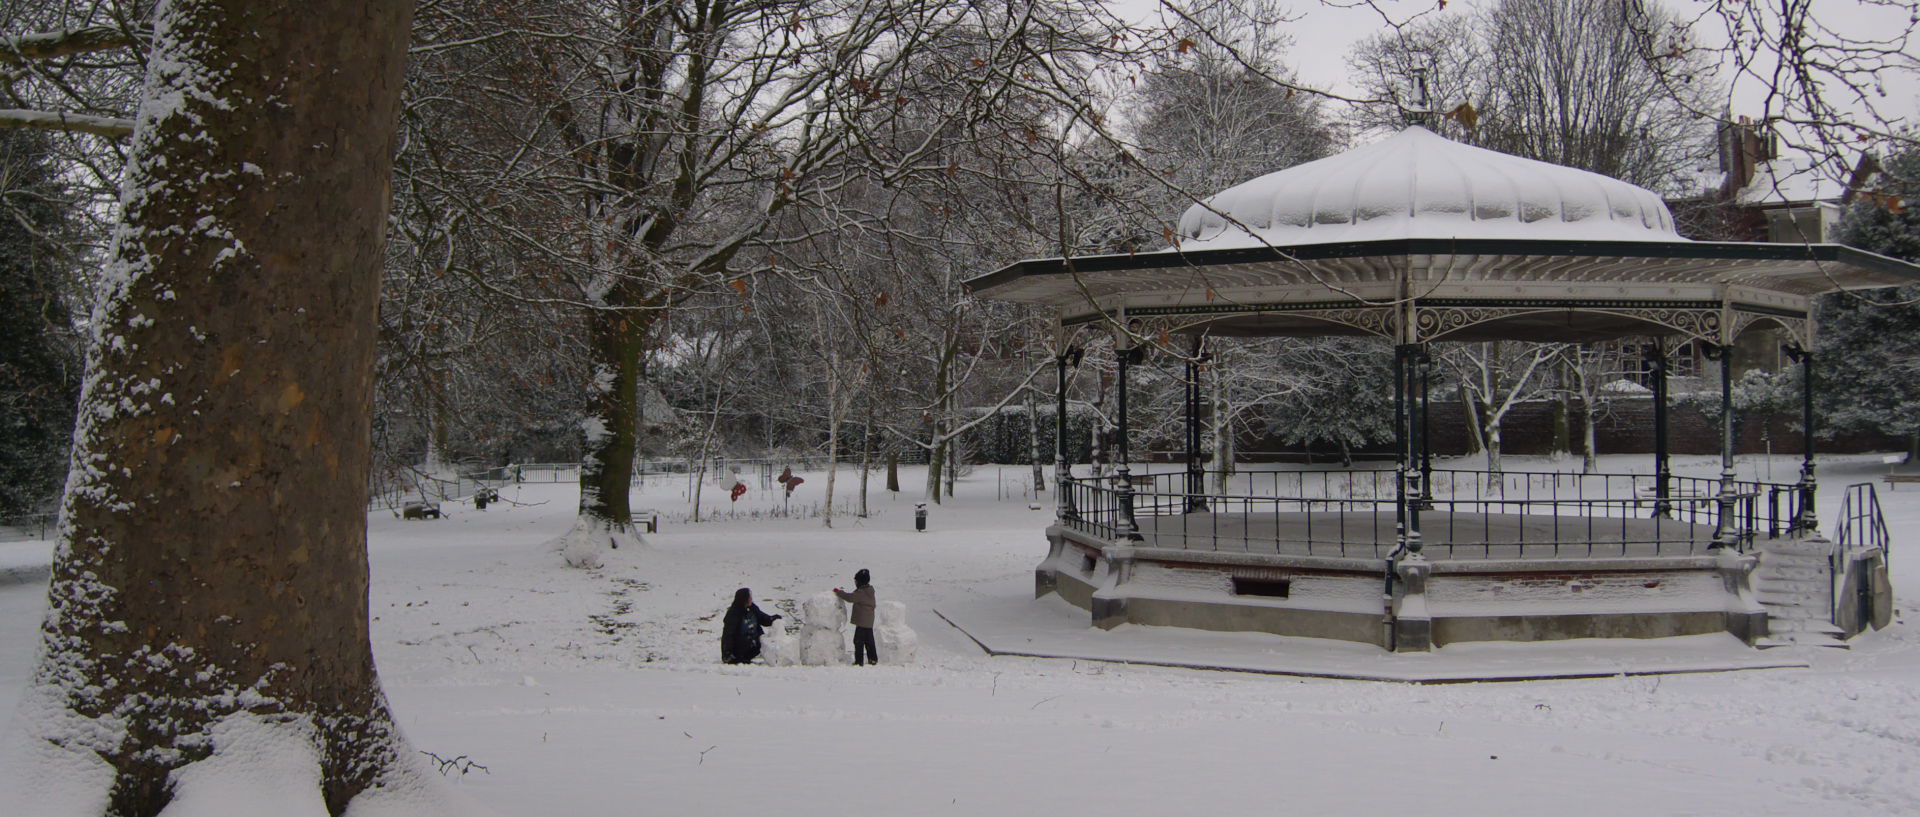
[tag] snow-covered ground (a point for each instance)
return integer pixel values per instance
(601, 692)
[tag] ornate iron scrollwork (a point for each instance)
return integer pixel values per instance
(1436, 322)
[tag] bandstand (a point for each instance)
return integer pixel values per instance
(1420, 240)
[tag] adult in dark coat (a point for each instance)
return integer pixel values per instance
(740, 630)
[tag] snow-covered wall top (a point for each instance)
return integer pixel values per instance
(1418, 184)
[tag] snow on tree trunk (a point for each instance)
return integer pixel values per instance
(206, 635)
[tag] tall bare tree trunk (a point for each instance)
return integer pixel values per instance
(1476, 442)
(706, 453)
(952, 446)
(866, 456)
(1589, 439)
(833, 435)
(937, 435)
(211, 572)
(1222, 426)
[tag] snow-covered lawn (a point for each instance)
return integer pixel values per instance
(601, 692)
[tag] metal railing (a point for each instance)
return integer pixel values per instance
(1861, 524)
(1465, 513)
(1862, 527)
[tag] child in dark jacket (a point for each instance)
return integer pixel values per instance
(740, 630)
(864, 601)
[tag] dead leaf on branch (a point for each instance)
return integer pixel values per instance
(1465, 115)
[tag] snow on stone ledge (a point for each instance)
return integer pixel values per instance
(1418, 184)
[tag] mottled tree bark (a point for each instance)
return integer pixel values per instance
(612, 435)
(211, 570)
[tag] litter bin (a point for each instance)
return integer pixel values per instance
(920, 516)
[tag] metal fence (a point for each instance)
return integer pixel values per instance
(26, 527)
(1357, 513)
(397, 487)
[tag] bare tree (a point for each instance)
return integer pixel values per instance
(1492, 378)
(656, 146)
(1573, 83)
(1824, 78)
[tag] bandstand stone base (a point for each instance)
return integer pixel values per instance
(1429, 603)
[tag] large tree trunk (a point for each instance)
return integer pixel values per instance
(211, 575)
(612, 436)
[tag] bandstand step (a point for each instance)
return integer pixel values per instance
(1794, 585)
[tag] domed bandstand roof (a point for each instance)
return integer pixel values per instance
(1419, 238)
(1418, 184)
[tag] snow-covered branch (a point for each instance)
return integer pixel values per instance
(107, 126)
(49, 45)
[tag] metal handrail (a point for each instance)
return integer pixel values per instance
(1862, 525)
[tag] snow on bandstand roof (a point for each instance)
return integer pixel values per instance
(1418, 184)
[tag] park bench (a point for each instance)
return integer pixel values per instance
(1892, 479)
(1895, 479)
(420, 509)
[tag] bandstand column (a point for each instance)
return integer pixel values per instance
(1807, 520)
(1662, 465)
(1406, 446)
(1129, 527)
(1726, 530)
(1062, 472)
(1426, 424)
(1196, 476)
